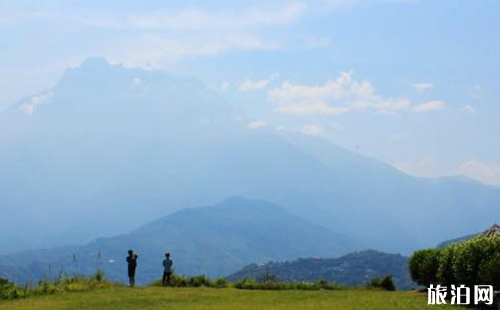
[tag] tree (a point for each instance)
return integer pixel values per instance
(446, 273)
(424, 266)
(471, 256)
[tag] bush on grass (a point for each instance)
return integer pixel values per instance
(384, 283)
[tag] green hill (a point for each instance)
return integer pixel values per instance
(353, 269)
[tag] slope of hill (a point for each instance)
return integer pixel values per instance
(356, 268)
(494, 230)
(215, 241)
(109, 148)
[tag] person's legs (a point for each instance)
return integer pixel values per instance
(164, 279)
(131, 276)
(169, 274)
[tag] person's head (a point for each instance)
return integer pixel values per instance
(167, 255)
(130, 252)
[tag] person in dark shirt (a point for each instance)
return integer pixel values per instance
(167, 269)
(132, 265)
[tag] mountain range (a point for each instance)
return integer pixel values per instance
(109, 148)
(215, 241)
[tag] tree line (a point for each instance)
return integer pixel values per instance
(472, 262)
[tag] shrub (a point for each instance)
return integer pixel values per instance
(221, 282)
(250, 284)
(194, 281)
(322, 285)
(198, 281)
(99, 275)
(177, 281)
(384, 283)
(44, 287)
(9, 290)
(246, 284)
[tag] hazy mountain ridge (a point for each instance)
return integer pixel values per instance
(215, 241)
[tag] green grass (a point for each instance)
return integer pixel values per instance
(156, 298)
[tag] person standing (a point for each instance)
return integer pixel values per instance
(167, 269)
(132, 265)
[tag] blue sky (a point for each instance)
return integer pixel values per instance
(414, 83)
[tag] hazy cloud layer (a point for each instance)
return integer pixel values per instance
(430, 106)
(257, 124)
(30, 107)
(421, 87)
(487, 173)
(484, 172)
(249, 85)
(341, 95)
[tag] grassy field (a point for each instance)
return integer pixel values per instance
(155, 298)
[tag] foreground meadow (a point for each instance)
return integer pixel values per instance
(155, 298)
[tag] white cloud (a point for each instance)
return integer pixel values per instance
(159, 39)
(136, 81)
(425, 167)
(35, 101)
(192, 19)
(468, 109)
(485, 172)
(158, 50)
(333, 97)
(312, 129)
(421, 87)
(189, 18)
(430, 106)
(313, 108)
(249, 85)
(253, 85)
(256, 124)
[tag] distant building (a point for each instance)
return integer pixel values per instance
(493, 231)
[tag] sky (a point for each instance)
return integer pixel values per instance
(414, 83)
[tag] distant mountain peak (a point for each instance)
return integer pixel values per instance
(95, 62)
